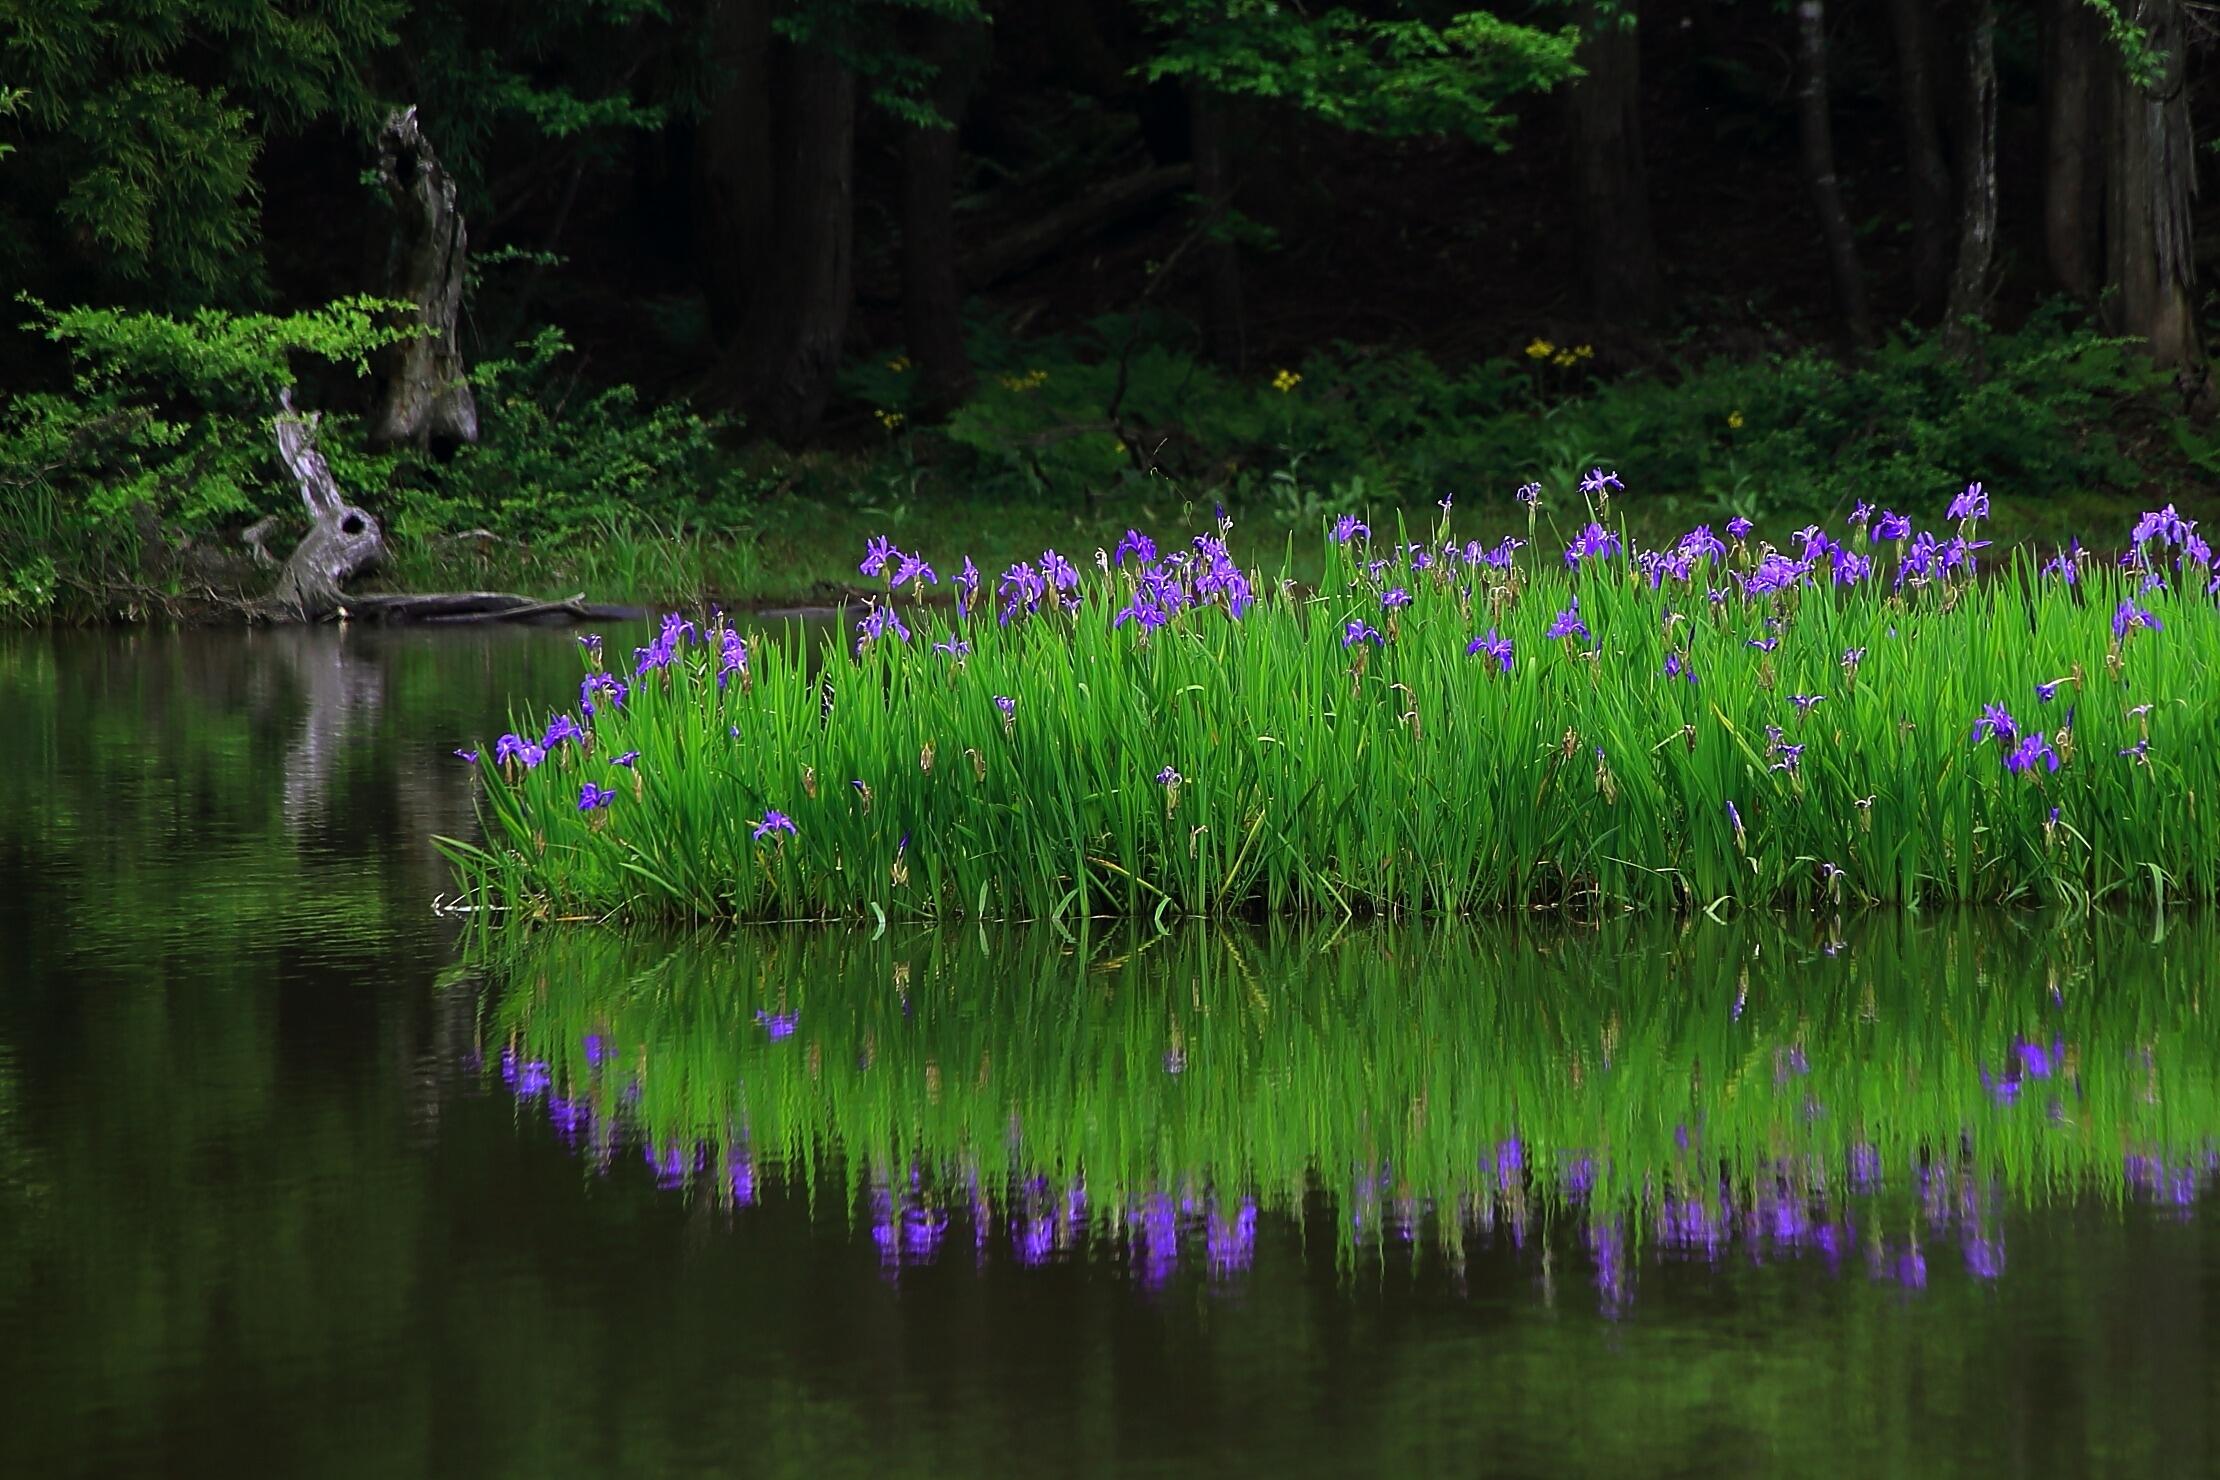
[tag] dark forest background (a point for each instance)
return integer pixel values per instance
(743, 275)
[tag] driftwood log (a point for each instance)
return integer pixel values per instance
(344, 541)
(424, 397)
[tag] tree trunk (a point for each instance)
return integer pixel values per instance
(932, 297)
(2151, 178)
(734, 166)
(1224, 324)
(424, 394)
(1611, 198)
(790, 348)
(342, 540)
(1816, 134)
(1969, 283)
(1913, 23)
(2073, 199)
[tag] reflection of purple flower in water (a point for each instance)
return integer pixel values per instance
(1984, 1255)
(1231, 1241)
(1865, 1166)
(1156, 1229)
(2036, 1061)
(571, 1118)
(1580, 1177)
(1510, 1163)
(669, 1165)
(777, 1024)
(1607, 1244)
(740, 1176)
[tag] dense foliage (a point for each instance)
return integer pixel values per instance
(742, 269)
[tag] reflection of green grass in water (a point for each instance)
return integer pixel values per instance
(1394, 1063)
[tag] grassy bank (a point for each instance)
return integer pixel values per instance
(1441, 726)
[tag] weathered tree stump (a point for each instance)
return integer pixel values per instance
(424, 396)
(342, 541)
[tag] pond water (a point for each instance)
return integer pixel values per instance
(299, 1177)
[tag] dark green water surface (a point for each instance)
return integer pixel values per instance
(299, 1177)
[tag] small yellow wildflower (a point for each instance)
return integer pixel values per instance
(1540, 349)
(1734, 420)
(889, 419)
(1286, 381)
(898, 364)
(1564, 359)
(1585, 352)
(1031, 380)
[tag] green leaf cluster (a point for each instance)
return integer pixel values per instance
(1391, 77)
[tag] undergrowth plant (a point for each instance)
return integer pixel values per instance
(1443, 726)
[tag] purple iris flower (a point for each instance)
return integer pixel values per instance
(467, 755)
(910, 568)
(592, 798)
(776, 1024)
(1739, 528)
(1972, 504)
(967, 588)
(1359, 630)
(561, 730)
(1138, 545)
(1595, 543)
(1996, 722)
(1851, 658)
(1568, 623)
(2163, 525)
(2130, 617)
(774, 821)
(1699, 542)
(1349, 527)
(1169, 777)
(1893, 526)
(1057, 571)
(1776, 573)
(1394, 597)
(877, 551)
(1528, 494)
(1806, 703)
(880, 621)
(1006, 704)
(1022, 588)
(1494, 646)
(732, 656)
(1599, 483)
(626, 759)
(955, 647)
(2030, 753)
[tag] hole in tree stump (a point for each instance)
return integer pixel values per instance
(352, 524)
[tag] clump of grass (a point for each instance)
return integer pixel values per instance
(1441, 727)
